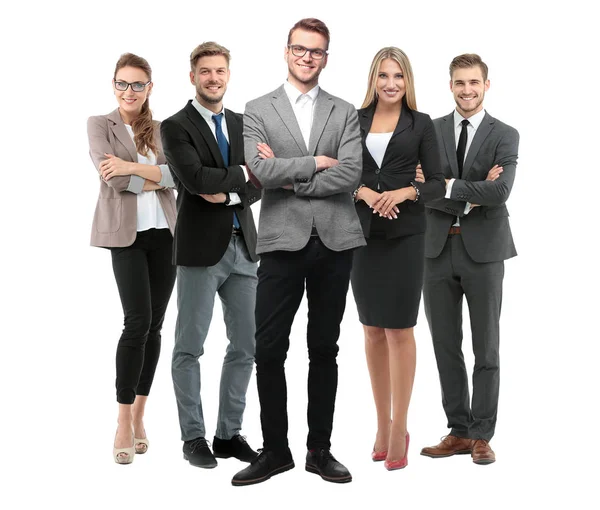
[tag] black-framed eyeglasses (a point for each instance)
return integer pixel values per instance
(136, 86)
(300, 51)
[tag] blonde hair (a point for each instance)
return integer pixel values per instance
(397, 55)
(208, 49)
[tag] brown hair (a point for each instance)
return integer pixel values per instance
(310, 25)
(400, 57)
(143, 127)
(469, 60)
(208, 49)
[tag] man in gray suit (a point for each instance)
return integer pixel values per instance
(303, 147)
(467, 240)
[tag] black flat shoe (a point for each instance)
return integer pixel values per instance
(263, 467)
(198, 453)
(320, 462)
(235, 447)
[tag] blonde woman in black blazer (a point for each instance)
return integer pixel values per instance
(387, 274)
(135, 219)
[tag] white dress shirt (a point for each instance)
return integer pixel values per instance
(474, 123)
(303, 106)
(150, 213)
(207, 116)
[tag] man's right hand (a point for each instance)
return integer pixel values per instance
(324, 162)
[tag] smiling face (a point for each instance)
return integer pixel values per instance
(390, 85)
(469, 88)
(130, 102)
(303, 72)
(210, 79)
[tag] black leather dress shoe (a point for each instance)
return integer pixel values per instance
(198, 453)
(322, 463)
(263, 467)
(235, 447)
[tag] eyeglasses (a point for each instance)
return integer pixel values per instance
(300, 51)
(136, 86)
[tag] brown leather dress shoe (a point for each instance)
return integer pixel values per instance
(450, 445)
(482, 452)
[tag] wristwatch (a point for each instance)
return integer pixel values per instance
(227, 199)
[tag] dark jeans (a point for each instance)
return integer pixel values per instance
(145, 278)
(281, 279)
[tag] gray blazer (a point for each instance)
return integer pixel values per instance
(286, 216)
(485, 230)
(115, 219)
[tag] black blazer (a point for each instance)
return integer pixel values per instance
(413, 141)
(203, 229)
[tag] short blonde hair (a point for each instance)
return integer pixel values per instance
(208, 49)
(400, 57)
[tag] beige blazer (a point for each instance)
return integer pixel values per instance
(115, 219)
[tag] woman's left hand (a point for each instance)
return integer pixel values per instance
(387, 200)
(113, 166)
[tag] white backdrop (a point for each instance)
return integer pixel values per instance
(61, 315)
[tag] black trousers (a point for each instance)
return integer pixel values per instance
(449, 277)
(145, 278)
(281, 279)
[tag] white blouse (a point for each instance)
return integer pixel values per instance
(150, 213)
(377, 144)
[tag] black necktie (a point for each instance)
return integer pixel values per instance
(462, 145)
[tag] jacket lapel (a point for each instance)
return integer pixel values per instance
(121, 134)
(404, 122)
(321, 112)
(282, 105)
(204, 131)
(365, 120)
(450, 143)
(484, 129)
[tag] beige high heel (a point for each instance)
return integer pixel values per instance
(124, 455)
(141, 445)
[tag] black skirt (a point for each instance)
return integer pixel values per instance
(387, 279)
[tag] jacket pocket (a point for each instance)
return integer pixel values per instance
(271, 222)
(108, 215)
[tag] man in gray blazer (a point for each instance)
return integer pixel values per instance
(468, 238)
(303, 147)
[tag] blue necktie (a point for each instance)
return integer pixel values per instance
(224, 148)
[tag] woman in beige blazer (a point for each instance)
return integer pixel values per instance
(135, 219)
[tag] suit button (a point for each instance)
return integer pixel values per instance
(377, 171)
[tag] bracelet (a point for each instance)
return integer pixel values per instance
(355, 192)
(417, 190)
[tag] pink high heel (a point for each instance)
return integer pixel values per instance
(391, 465)
(378, 456)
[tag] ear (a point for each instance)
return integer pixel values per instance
(487, 85)
(451, 88)
(193, 78)
(150, 89)
(324, 61)
(286, 52)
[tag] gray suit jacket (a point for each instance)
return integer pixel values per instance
(115, 218)
(485, 230)
(286, 216)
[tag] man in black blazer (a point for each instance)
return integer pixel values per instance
(215, 252)
(467, 239)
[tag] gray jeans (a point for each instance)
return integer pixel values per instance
(234, 279)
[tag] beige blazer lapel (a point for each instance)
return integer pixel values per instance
(117, 126)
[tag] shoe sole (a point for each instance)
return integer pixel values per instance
(313, 469)
(229, 456)
(204, 466)
(282, 469)
(459, 452)
(484, 462)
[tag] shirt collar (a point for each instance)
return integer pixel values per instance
(293, 93)
(474, 120)
(205, 112)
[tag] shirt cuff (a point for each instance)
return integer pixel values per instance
(166, 181)
(468, 208)
(234, 199)
(316, 166)
(449, 188)
(136, 184)
(246, 178)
